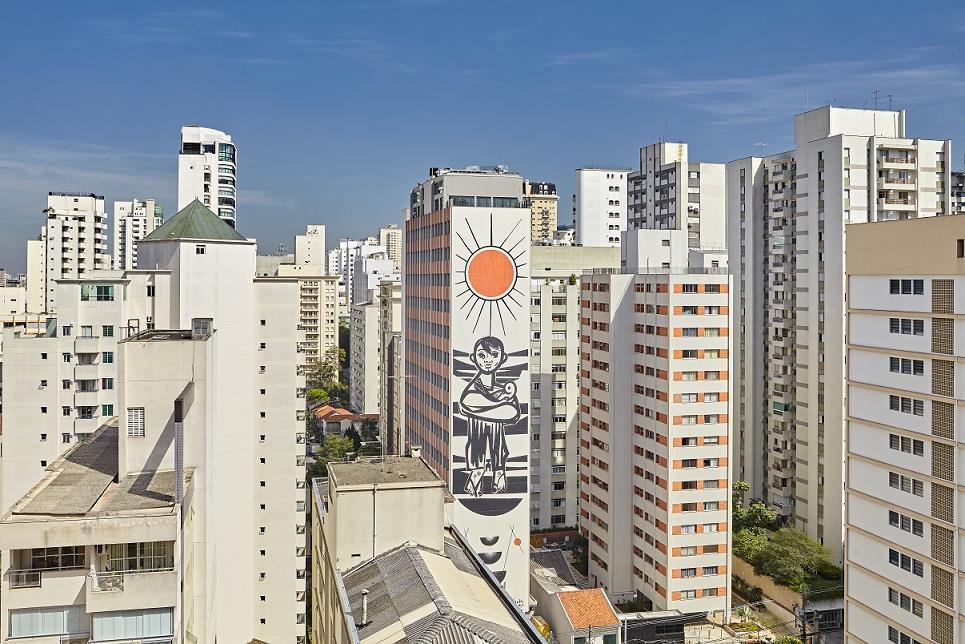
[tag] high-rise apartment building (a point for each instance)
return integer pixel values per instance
(655, 434)
(208, 170)
(391, 367)
(72, 244)
(600, 206)
(555, 378)
(957, 204)
(390, 238)
(466, 284)
(342, 262)
(365, 356)
(372, 267)
(904, 525)
(787, 215)
(669, 192)
(543, 202)
(132, 221)
(235, 400)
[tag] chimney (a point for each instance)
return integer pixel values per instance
(415, 452)
(365, 607)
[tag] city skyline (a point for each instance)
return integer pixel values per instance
(570, 93)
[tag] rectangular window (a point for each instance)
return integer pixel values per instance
(135, 422)
(107, 411)
(107, 383)
(107, 331)
(199, 249)
(46, 621)
(107, 357)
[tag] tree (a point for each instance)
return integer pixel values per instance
(788, 639)
(739, 490)
(749, 543)
(334, 448)
(370, 430)
(791, 558)
(317, 395)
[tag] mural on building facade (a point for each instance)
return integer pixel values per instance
(490, 362)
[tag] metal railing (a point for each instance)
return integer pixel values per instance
(112, 581)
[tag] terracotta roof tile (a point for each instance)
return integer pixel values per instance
(588, 607)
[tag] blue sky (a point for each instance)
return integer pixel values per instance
(339, 107)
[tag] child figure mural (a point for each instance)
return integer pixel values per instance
(489, 405)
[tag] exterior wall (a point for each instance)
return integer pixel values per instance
(390, 238)
(904, 438)
(207, 171)
(51, 402)
(36, 275)
(554, 375)
(319, 310)
(310, 247)
(601, 206)
(673, 469)
(653, 248)
(370, 271)
(849, 166)
(133, 220)
(543, 202)
(366, 358)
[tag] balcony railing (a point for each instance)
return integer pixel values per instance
(104, 581)
(25, 578)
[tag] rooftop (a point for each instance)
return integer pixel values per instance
(195, 222)
(83, 483)
(420, 595)
(589, 607)
(378, 471)
(551, 564)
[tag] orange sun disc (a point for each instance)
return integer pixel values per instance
(491, 273)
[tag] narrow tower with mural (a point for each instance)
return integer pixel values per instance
(467, 355)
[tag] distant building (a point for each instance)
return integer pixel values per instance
(670, 192)
(600, 206)
(365, 356)
(310, 247)
(391, 367)
(133, 220)
(543, 202)
(208, 171)
(390, 238)
(554, 328)
(72, 244)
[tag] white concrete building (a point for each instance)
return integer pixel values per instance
(543, 203)
(72, 244)
(467, 347)
(555, 378)
(208, 170)
(655, 500)
(786, 249)
(61, 385)
(659, 199)
(372, 267)
(600, 208)
(243, 392)
(390, 238)
(904, 468)
(132, 221)
(310, 247)
(341, 262)
(366, 356)
(391, 367)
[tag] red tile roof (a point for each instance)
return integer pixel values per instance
(589, 607)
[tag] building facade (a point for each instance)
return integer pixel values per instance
(71, 244)
(543, 202)
(365, 360)
(132, 221)
(390, 238)
(555, 378)
(310, 247)
(659, 199)
(391, 368)
(786, 249)
(208, 171)
(600, 206)
(904, 526)
(467, 355)
(673, 389)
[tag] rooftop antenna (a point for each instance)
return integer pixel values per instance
(876, 92)
(760, 148)
(890, 97)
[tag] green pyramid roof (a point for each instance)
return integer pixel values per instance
(195, 221)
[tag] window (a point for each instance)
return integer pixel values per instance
(689, 353)
(906, 326)
(711, 527)
(712, 310)
(688, 310)
(711, 505)
(688, 594)
(688, 332)
(143, 624)
(906, 287)
(711, 375)
(150, 290)
(906, 562)
(107, 357)
(107, 331)
(906, 366)
(46, 621)
(65, 411)
(906, 444)
(688, 529)
(896, 636)
(87, 331)
(906, 523)
(688, 398)
(43, 356)
(905, 602)
(97, 292)
(711, 440)
(688, 551)
(107, 383)
(688, 507)
(906, 405)
(107, 410)
(688, 572)
(67, 357)
(906, 484)
(135, 421)
(709, 570)
(199, 249)
(687, 288)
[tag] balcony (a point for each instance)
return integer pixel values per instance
(897, 162)
(896, 183)
(86, 344)
(27, 588)
(86, 398)
(131, 590)
(890, 203)
(86, 372)
(86, 425)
